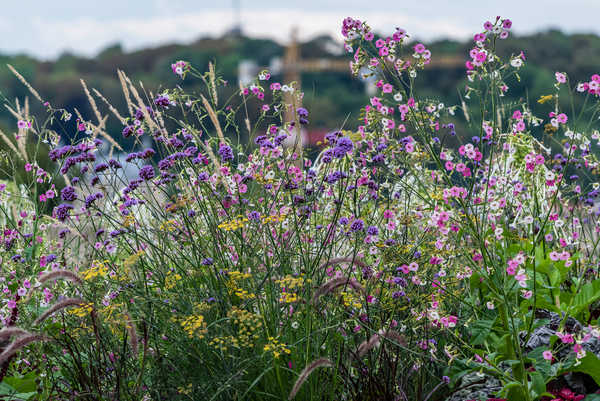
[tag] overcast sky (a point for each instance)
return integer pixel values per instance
(47, 28)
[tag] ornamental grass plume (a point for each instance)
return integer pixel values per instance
(58, 306)
(374, 341)
(336, 261)
(336, 283)
(9, 332)
(63, 274)
(19, 343)
(319, 363)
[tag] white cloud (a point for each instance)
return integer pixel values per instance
(47, 32)
(87, 35)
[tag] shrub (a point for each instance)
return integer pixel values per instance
(402, 259)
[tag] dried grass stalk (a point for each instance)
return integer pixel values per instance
(9, 143)
(336, 283)
(319, 363)
(92, 102)
(374, 341)
(19, 343)
(9, 332)
(213, 118)
(24, 82)
(110, 106)
(58, 306)
(123, 80)
(64, 274)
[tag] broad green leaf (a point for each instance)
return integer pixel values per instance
(538, 384)
(589, 364)
(480, 330)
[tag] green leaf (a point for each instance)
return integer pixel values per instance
(23, 384)
(480, 330)
(538, 384)
(6, 389)
(588, 293)
(592, 397)
(589, 364)
(541, 365)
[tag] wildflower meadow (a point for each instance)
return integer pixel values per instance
(439, 252)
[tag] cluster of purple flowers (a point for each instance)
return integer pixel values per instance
(335, 177)
(62, 211)
(100, 167)
(225, 152)
(92, 198)
(357, 225)
(147, 172)
(302, 114)
(139, 113)
(144, 154)
(164, 101)
(68, 194)
(343, 146)
(67, 150)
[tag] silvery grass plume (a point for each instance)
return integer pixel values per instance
(374, 341)
(319, 363)
(19, 343)
(58, 306)
(336, 283)
(9, 332)
(64, 274)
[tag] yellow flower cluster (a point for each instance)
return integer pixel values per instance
(128, 220)
(194, 325)
(187, 390)
(233, 288)
(168, 225)
(243, 294)
(233, 224)
(248, 324)
(96, 269)
(276, 348)
(181, 202)
(274, 218)
(81, 311)
(288, 284)
(132, 260)
(171, 280)
(349, 299)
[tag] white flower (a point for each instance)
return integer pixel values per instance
(516, 62)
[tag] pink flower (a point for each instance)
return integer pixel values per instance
(22, 124)
(419, 48)
(547, 355)
(560, 77)
(562, 118)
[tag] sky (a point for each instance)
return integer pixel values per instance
(46, 29)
